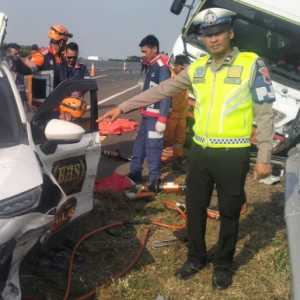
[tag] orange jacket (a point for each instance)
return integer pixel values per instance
(42, 58)
(179, 104)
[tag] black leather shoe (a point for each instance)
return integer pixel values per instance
(188, 269)
(154, 186)
(221, 278)
(136, 178)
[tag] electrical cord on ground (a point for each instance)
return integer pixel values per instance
(178, 207)
(118, 275)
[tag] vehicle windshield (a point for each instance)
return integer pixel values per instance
(10, 123)
(274, 39)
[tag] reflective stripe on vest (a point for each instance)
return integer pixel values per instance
(222, 141)
(224, 108)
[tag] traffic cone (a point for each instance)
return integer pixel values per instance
(124, 67)
(93, 70)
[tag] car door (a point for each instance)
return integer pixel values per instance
(72, 166)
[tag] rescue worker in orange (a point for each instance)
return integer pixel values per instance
(47, 58)
(176, 125)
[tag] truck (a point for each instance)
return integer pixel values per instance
(270, 28)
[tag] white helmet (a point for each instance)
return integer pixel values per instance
(213, 20)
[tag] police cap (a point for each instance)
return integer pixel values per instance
(214, 20)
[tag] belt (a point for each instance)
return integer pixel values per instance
(222, 141)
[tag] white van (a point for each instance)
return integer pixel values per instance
(271, 28)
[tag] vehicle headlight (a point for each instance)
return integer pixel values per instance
(20, 204)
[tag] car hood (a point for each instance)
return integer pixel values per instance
(19, 171)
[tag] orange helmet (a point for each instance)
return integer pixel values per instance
(59, 32)
(37, 58)
(74, 106)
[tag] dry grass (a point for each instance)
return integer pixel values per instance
(261, 263)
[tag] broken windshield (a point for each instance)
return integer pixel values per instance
(10, 124)
(274, 39)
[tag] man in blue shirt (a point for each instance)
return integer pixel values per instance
(149, 142)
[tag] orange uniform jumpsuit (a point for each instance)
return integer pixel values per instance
(175, 133)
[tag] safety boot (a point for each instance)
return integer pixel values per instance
(222, 277)
(189, 269)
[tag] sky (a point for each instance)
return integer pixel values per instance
(109, 29)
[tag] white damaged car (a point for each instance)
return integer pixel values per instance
(47, 171)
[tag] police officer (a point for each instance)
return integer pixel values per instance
(232, 90)
(149, 140)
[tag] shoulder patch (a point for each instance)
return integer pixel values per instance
(263, 70)
(260, 63)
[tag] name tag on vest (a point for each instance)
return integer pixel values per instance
(199, 75)
(234, 75)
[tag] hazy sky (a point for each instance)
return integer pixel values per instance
(111, 28)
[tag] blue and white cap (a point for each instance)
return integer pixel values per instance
(214, 20)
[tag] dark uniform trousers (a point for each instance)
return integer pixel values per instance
(225, 168)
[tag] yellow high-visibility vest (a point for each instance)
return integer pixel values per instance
(224, 107)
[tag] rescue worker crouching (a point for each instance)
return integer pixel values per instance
(176, 125)
(232, 89)
(149, 141)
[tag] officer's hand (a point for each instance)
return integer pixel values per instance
(160, 127)
(262, 170)
(111, 115)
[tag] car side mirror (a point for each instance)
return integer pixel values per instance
(177, 6)
(63, 132)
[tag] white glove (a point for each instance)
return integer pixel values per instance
(160, 126)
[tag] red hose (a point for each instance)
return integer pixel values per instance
(86, 236)
(214, 214)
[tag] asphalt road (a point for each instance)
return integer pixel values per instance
(116, 86)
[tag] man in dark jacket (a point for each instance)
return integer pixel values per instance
(19, 67)
(70, 68)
